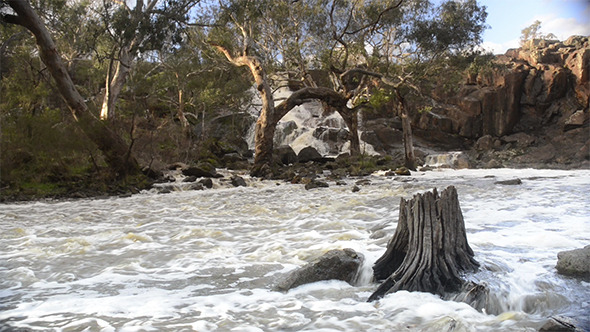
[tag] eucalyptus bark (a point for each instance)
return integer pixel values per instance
(114, 86)
(429, 250)
(114, 148)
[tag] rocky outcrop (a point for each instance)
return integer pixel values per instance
(529, 108)
(333, 265)
(574, 262)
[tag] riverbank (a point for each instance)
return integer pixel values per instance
(205, 176)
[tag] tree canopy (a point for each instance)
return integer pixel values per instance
(161, 60)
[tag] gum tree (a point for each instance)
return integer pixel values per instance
(290, 36)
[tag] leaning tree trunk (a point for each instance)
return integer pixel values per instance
(429, 249)
(115, 150)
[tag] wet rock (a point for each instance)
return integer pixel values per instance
(356, 189)
(402, 171)
(191, 178)
(574, 262)
(512, 182)
(202, 170)
(196, 186)
(286, 154)
(333, 265)
(363, 182)
(316, 184)
(309, 154)
(207, 182)
(559, 324)
(238, 181)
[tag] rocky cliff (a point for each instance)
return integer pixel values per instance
(528, 108)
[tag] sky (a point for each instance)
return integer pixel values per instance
(507, 18)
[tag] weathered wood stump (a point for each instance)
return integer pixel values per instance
(429, 249)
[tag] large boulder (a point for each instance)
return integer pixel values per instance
(202, 170)
(574, 262)
(309, 153)
(286, 154)
(333, 265)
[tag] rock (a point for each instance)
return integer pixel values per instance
(356, 189)
(202, 170)
(309, 154)
(196, 186)
(559, 324)
(333, 265)
(574, 262)
(576, 120)
(512, 182)
(520, 140)
(238, 181)
(207, 182)
(286, 154)
(232, 157)
(402, 171)
(316, 184)
(191, 178)
(152, 173)
(177, 165)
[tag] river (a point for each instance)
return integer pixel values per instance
(207, 260)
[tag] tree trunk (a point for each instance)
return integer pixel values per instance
(114, 86)
(409, 156)
(352, 122)
(181, 117)
(429, 249)
(115, 150)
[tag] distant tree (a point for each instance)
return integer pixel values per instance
(148, 26)
(533, 32)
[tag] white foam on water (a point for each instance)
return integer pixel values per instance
(207, 260)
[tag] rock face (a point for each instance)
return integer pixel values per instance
(574, 262)
(333, 265)
(529, 108)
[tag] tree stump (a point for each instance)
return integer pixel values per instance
(429, 249)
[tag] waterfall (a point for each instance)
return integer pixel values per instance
(308, 125)
(454, 159)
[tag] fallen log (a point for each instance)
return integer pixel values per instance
(428, 251)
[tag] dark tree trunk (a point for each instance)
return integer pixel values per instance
(429, 249)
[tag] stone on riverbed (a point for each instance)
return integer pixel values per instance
(574, 262)
(333, 265)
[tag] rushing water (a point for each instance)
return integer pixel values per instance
(207, 260)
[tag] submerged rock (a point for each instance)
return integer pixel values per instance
(333, 265)
(512, 182)
(316, 184)
(238, 181)
(574, 262)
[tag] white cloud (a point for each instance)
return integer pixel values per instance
(563, 27)
(500, 48)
